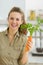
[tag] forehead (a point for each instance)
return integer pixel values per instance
(15, 14)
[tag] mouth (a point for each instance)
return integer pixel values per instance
(14, 25)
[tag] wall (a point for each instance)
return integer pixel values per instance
(6, 5)
(26, 5)
(33, 5)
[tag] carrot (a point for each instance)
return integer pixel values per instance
(27, 48)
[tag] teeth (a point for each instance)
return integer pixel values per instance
(14, 25)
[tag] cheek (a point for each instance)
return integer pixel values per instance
(9, 22)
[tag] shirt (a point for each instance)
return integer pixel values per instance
(10, 53)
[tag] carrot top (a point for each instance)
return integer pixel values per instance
(30, 27)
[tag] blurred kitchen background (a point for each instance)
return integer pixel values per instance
(32, 9)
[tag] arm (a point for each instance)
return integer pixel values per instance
(24, 55)
(23, 58)
(26, 50)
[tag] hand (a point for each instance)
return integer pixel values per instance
(28, 46)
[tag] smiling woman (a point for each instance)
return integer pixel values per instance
(13, 40)
(14, 20)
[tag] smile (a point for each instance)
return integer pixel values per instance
(14, 25)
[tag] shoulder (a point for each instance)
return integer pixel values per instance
(1, 37)
(24, 38)
(2, 34)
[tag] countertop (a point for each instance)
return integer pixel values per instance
(35, 59)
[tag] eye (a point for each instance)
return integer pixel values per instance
(17, 19)
(12, 18)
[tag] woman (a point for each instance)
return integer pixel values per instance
(13, 40)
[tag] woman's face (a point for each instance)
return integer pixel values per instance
(15, 20)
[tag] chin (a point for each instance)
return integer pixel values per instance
(14, 28)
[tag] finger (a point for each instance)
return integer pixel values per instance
(29, 45)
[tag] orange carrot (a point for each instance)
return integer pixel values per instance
(27, 48)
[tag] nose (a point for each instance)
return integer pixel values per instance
(14, 21)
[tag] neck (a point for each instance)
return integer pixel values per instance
(12, 32)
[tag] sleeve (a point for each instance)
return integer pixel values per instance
(0, 43)
(23, 47)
